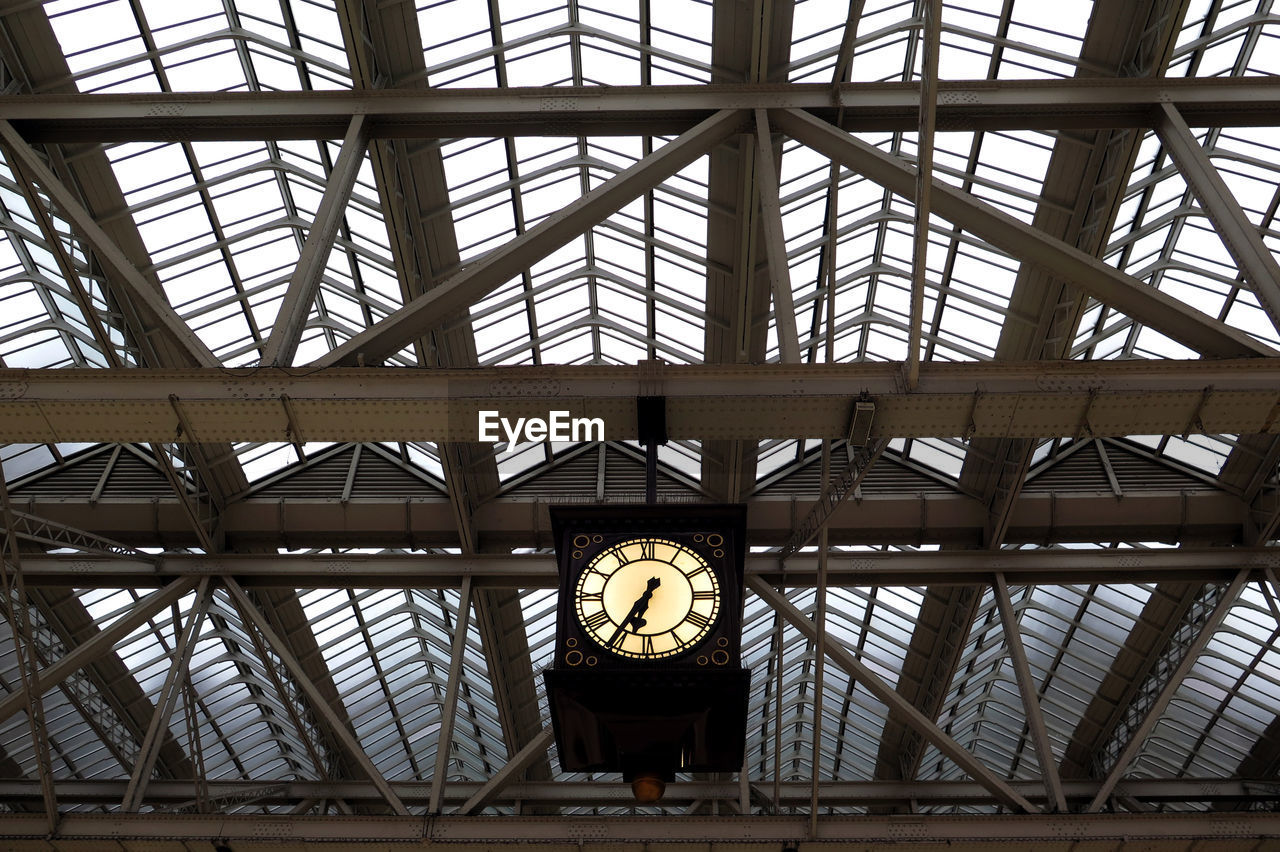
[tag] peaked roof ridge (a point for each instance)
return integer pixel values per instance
(347, 470)
(104, 470)
(890, 474)
(1092, 465)
(576, 474)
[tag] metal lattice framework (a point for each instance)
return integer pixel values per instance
(264, 262)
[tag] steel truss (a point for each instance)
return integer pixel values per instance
(660, 110)
(995, 568)
(532, 571)
(164, 794)
(721, 834)
(986, 399)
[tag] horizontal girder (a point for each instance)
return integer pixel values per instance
(526, 571)
(1154, 831)
(1203, 516)
(604, 792)
(704, 402)
(622, 110)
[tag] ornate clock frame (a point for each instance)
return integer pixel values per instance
(641, 689)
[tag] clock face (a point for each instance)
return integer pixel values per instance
(647, 598)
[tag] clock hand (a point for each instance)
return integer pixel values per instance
(634, 617)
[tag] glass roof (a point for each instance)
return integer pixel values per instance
(220, 228)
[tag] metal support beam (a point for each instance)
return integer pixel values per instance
(17, 612)
(880, 519)
(519, 762)
(53, 535)
(477, 280)
(1165, 832)
(835, 492)
(166, 700)
(602, 793)
(996, 399)
(1114, 288)
(1241, 237)
(282, 344)
(631, 110)
(1175, 678)
(448, 710)
(1030, 697)
(1048, 566)
(854, 667)
(250, 612)
(775, 244)
(123, 273)
(931, 27)
(102, 642)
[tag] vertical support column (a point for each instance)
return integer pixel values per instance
(931, 27)
(165, 701)
(448, 710)
(784, 310)
(1030, 698)
(16, 610)
(819, 659)
(282, 343)
(651, 422)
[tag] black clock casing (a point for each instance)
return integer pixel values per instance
(655, 708)
(714, 534)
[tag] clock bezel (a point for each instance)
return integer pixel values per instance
(625, 648)
(608, 524)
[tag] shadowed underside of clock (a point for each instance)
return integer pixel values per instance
(649, 722)
(647, 677)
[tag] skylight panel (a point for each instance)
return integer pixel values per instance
(681, 31)
(458, 42)
(1166, 240)
(1224, 705)
(100, 41)
(606, 64)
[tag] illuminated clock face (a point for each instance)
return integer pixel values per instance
(647, 598)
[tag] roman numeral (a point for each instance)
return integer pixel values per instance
(596, 620)
(704, 595)
(596, 597)
(698, 619)
(648, 645)
(646, 549)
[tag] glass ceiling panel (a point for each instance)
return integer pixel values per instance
(1225, 703)
(1071, 634)
(389, 654)
(200, 45)
(44, 321)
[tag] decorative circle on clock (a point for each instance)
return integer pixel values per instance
(647, 598)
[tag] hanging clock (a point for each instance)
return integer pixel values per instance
(645, 585)
(647, 675)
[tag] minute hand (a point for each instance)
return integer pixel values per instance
(634, 618)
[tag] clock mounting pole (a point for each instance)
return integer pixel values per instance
(651, 422)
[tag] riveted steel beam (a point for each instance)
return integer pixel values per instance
(870, 568)
(1022, 399)
(636, 110)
